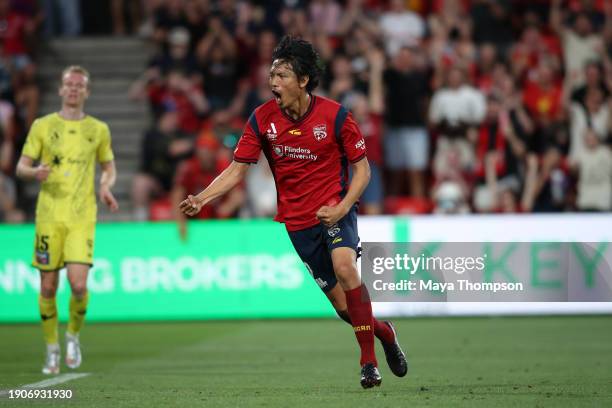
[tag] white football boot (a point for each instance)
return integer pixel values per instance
(52, 360)
(73, 351)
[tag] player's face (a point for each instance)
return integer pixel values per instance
(285, 85)
(74, 90)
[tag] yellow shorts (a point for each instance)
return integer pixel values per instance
(59, 243)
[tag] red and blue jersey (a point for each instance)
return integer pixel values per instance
(308, 157)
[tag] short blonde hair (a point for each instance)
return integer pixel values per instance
(77, 69)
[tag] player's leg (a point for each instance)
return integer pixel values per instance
(79, 255)
(48, 259)
(359, 309)
(77, 277)
(49, 281)
(342, 241)
(382, 329)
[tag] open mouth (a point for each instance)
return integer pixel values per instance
(277, 96)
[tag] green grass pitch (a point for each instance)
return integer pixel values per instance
(459, 362)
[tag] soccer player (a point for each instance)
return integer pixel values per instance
(66, 145)
(308, 141)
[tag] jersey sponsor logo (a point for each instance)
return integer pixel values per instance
(295, 132)
(298, 153)
(333, 230)
(360, 144)
(337, 240)
(361, 328)
(271, 132)
(320, 132)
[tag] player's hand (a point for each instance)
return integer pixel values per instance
(190, 206)
(42, 172)
(108, 198)
(329, 215)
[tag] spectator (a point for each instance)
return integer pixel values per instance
(182, 96)
(342, 78)
(221, 71)
(542, 96)
(324, 15)
(594, 79)
(406, 140)
(580, 43)
(400, 27)
(198, 172)
(162, 150)
(594, 166)
(501, 151)
(492, 23)
(367, 111)
(456, 111)
(122, 10)
(168, 15)
(594, 115)
(69, 13)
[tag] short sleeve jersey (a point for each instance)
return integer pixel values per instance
(308, 157)
(71, 149)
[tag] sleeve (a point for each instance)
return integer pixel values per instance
(33, 144)
(105, 153)
(350, 137)
(249, 145)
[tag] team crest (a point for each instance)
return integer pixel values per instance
(333, 230)
(320, 132)
(278, 149)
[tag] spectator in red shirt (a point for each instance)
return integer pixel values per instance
(543, 96)
(181, 95)
(195, 174)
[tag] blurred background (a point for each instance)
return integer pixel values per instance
(467, 106)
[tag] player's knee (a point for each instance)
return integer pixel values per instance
(79, 289)
(48, 288)
(346, 272)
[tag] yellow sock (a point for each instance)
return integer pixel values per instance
(48, 316)
(78, 308)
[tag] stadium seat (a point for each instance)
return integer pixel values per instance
(161, 210)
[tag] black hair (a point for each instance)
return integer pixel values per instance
(302, 57)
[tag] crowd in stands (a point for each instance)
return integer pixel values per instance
(467, 106)
(21, 23)
(485, 106)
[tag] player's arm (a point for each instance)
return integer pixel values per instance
(224, 182)
(107, 181)
(330, 215)
(27, 171)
